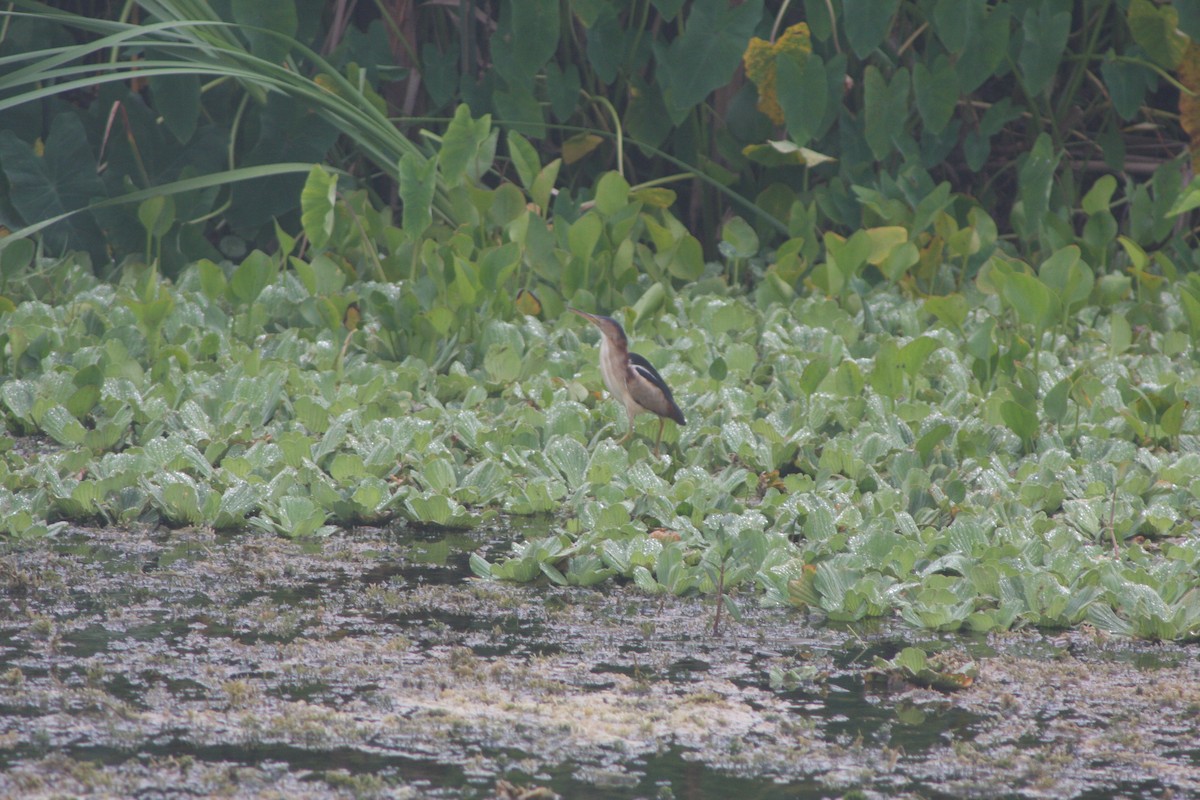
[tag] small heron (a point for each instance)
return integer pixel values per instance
(630, 378)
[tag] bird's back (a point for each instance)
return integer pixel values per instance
(660, 402)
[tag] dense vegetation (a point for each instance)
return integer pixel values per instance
(919, 274)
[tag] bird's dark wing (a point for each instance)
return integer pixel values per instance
(650, 390)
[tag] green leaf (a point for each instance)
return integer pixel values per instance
(814, 372)
(956, 22)
(212, 279)
(317, 200)
(583, 236)
(654, 196)
(15, 257)
(481, 567)
(914, 354)
(887, 378)
(157, 215)
(1191, 309)
(1069, 276)
(687, 259)
(1035, 178)
(524, 157)
(498, 264)
(1099, 197)
(1156, 29)
(543, 185)
(1187, 200)
(180, 502)
(236, 502)
(254, 274)
(562, 89)
(517, 108)
(612, 193)
(1055, 402)
(1127, 84)
(912, 659)
(708, 52)
(299, 517)
(62, 180)
(83, 400)
(440, 72)
(931, 439)
(849, 256)
(1120, 333)
(1020, 420)
(867, 22)
(503, 364)
(439, 476)
(891, 251)
(1172, 418)
(152, 307)
(418, 182)
(1055, 271)
(570, 458)
(1031, 299)
(460, 144)
(650, 301)
(279, 17)
(466, 284)
(436, 509)
(986, 48)
(886, 109)
(936, 91)
(18, 396)
(347, 468)
(508, 204)
(847, 380)
(645, 581)
(950, 310)
(1045, 40)
(803, 94)
(61, 426)
(177, 98)
(526, 37)
(739, 238)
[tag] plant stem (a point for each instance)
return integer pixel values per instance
(720, 599)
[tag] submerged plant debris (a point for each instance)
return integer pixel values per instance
(133, 661)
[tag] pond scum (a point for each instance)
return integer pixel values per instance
(134, 662)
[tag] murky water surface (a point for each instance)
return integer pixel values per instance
(162, 663)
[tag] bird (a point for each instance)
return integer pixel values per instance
(630, 378)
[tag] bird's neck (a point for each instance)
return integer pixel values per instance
(614, 358)
(617, 352)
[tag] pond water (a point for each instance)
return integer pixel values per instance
(157, 663)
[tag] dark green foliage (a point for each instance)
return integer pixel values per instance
(1011, 104)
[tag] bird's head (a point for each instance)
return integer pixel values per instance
(609, 327)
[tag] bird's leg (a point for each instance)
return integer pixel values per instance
(628, 433)
(657, 441)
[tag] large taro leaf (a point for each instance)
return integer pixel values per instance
(287, 132)
(60, 180)
(707, 54)
(867, 23)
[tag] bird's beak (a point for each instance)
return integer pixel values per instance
(592, 318)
